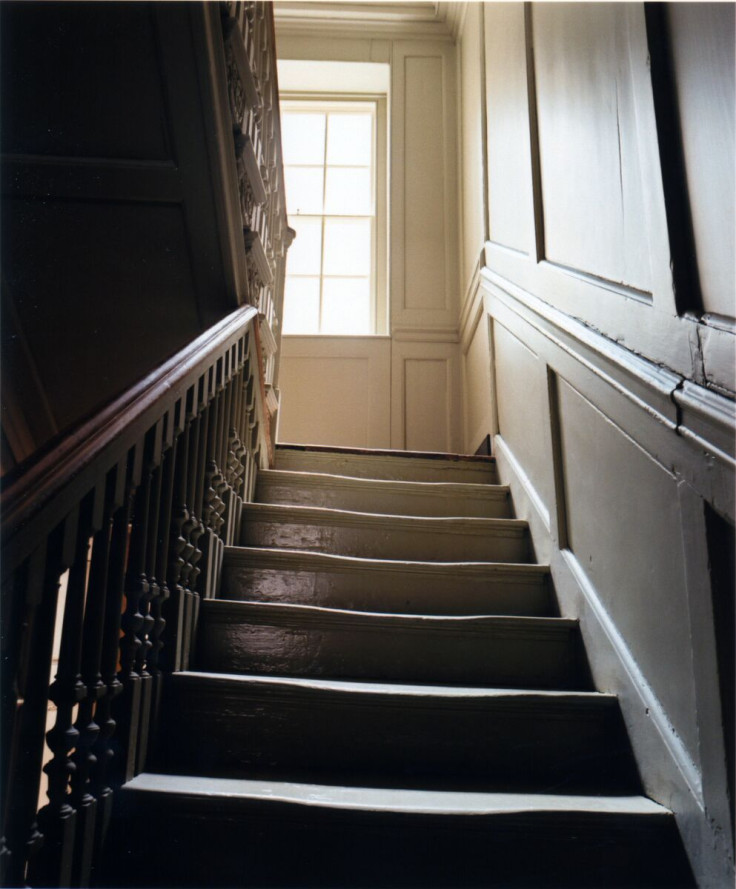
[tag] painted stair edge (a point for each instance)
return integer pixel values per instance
(281, 557)
(299, 616)
(378, 799)
(320, 515)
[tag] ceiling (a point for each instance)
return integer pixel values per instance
(377, 18)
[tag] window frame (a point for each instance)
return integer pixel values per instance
(378, 285)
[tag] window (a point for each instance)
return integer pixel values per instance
(335, 193)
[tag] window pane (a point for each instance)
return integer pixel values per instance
(301, 305)
(348, 191)
(346, 306)
(303, 137)
(349, 139)
(303, 190)
(304, 256)
(347, 247)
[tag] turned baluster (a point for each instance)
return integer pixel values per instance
(158, 605)
(137, 592)
(194, 528)
(58, 817)
(226, 485)
(35, 586)
(83, 796)
(108, 769)
(154, 478)
(179, 547)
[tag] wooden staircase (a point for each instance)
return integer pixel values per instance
(386, 695)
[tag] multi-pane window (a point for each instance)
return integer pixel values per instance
(330, 170)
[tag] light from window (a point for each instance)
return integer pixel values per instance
(329, 166)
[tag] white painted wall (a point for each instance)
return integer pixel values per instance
(613, 414)
(417, 368)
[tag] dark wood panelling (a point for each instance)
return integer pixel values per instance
(114, 251)
(82, 80)
(80, 275)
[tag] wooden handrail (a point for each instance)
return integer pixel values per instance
(79, 458)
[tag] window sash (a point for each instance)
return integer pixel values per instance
(331, 109)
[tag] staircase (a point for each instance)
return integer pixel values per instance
(385, 695)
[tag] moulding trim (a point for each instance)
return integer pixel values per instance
(425, 334)
(709, 419)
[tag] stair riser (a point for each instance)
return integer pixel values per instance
(516, 659)
(366, 498)
(278, 844)
(374, 541)
(389, 468)
(505, 744)
(390, 590)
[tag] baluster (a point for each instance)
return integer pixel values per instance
(179, 548)
(83, 797)
(154, 480)
(35, 586)
(106, 770)
(58, 817)
(137, 590)
(194, 527)
(227, 488)
(162, 562)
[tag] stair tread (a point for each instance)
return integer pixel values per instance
(349, 563)
(405, 691)
(481, 623)
(430, 466)
(440, 802)
(471, 489)
(286, 447)
(323, 515)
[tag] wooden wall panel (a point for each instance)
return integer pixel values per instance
(472, 161)
(586, 57)
(702, 44)
(98, 286)
(511, 214)
(623, 527)
(335, 391)
(59, 45)
(477, 391)
(523, 412)
(423, 188)
(426, 403)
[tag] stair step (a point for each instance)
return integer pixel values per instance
(368, 535)
(335, 581)
(270, 833)
(396, 465)
(298, 640)
(380, 496)
(488, 738)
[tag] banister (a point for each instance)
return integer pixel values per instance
(135, 508)
(116, 426)
(114, 532)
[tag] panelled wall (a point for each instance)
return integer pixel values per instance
(403, 390)
(597, 334)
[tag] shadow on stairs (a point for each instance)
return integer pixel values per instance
(386, 695)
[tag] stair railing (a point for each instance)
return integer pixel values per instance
(119, 531)
(112, 537)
